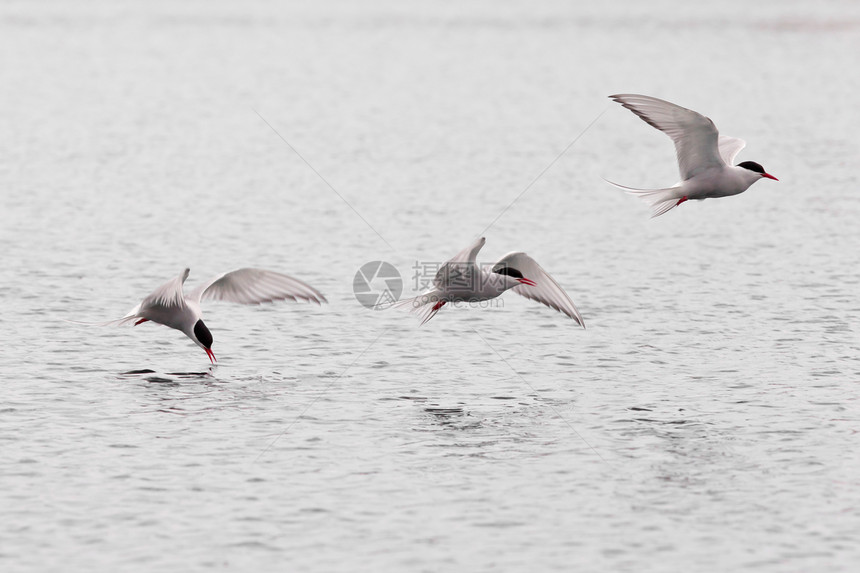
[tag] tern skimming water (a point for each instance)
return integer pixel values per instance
(170, 306)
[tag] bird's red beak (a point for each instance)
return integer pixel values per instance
(526, 281)
(211, 355)
(769, 176)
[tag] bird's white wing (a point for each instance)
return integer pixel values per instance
(167, 295)
(730, 147)
(255, 286)
(546, 290)
(695, 135)
(470, 253)
(461, 272)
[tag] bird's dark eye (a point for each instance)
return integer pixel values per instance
(510, 271)
(752, 166)
(203, 335)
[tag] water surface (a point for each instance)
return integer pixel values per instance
(706, 420)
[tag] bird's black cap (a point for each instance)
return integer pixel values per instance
(505, 270)
(203, 335)
(752, 166)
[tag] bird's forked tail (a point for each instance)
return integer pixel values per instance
(660, 200)
(425, 305)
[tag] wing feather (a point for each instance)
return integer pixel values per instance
(460, 272)
(470, 253)
(695, 135)
(546, 290)
(256, 286)
(167, 295)
(730, 147)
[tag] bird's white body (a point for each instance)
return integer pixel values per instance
(713, 183)
(704, 156)
(182, 318)
(461, 279)
(170, 306)
(716, 182)
(467, 282)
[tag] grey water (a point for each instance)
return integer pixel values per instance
(706, 420)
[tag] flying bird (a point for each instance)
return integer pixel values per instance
(170, 306)
(462, 280)
(704, 156)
